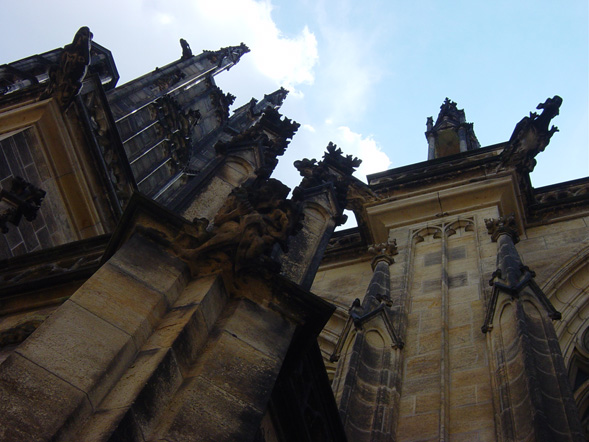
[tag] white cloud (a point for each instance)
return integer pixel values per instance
(163, 19)
(364, 147)
(288, 61)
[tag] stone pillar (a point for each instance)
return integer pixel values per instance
(533, 398)
(323, 195)
(320, 212)
(368, 375)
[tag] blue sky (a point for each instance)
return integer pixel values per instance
(364, 75)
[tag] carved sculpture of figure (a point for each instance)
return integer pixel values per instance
(186, 51)
(23, 199)
(550, 109)
(531, 135)
(65, 79)
(254, 217)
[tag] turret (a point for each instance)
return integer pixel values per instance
(451, 134)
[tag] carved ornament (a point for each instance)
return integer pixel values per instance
(175, 125)
(166, 81)
(511, 276)
(106, 139)
(255, 217)
(65, 79)
(23, 199)
(531, 136)
(232, 53)
(277, 97)
(17, 334)
(334, 168)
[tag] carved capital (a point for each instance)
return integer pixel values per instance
(504, 225)
(383, 252)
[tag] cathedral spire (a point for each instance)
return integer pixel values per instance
(451, 134)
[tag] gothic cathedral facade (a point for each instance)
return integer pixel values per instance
(157, 284)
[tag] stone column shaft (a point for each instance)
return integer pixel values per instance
(367, 379)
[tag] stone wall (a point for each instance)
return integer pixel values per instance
(440, 286)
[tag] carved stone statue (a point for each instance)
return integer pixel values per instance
(186, 51)
(65, 79)
(23, 199)
(254, 218)
(531, 135)
(550, 109)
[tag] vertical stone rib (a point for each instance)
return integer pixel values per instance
(445, 351)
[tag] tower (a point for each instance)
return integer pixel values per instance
(451, 134)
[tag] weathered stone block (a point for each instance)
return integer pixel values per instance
(421, 384)
(461, 335)
(532, 245)
(419, 427)
(426, 302)
(407, 405)
(157, 392)
(80, 348)
(461, 396)
(429, 341)
(148, 263)
(183, 329)
(467, 357)
(430, 319)
(111, 425)
(122, 301)
(460, 313)
(240, 369)
(425, 403)
(471, 418)
(548, 230)
(470, 377)
(56, 403)
(272, 339)
(423, 365)
(211, 414)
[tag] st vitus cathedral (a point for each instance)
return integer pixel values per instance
(157, 285)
